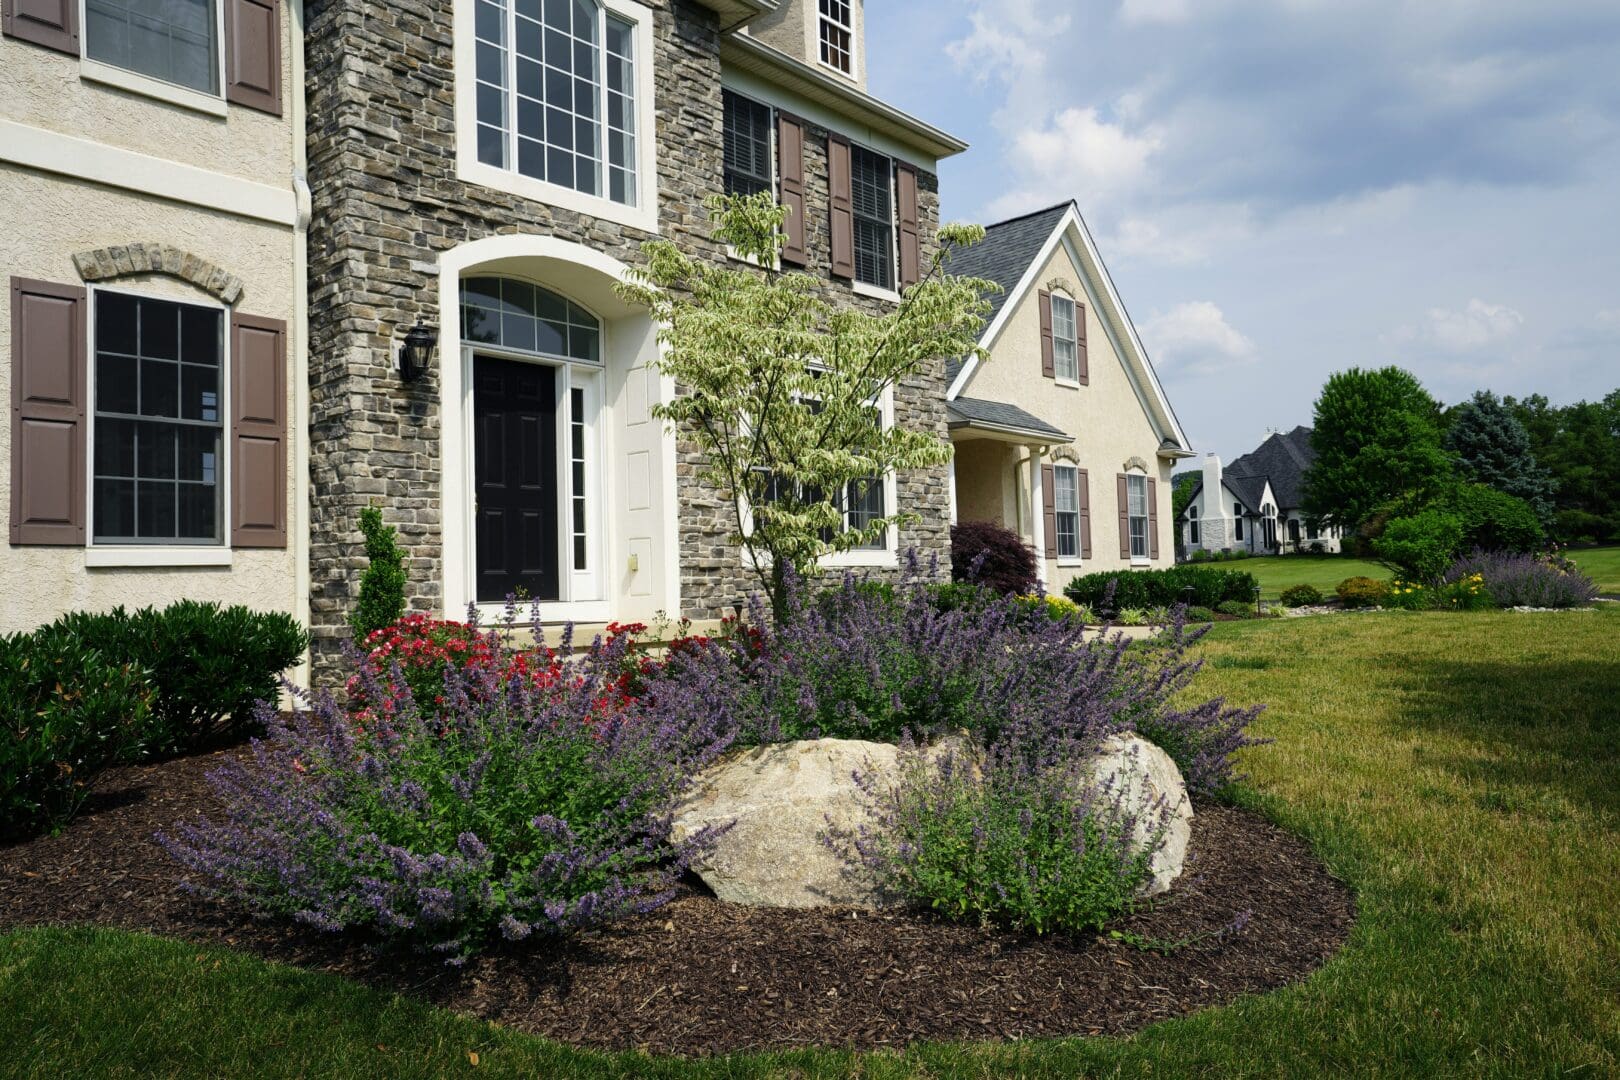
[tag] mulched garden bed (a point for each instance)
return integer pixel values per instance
(701, 977)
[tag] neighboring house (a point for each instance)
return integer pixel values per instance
(1254, 504)
(483, 172)
(150, 333)
(1064, 433)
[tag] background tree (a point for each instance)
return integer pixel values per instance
(1377, 440)
(1579, 445)
(1493, 448)
(779, 388)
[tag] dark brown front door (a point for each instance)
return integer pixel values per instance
(515, 479)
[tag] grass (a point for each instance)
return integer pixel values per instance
(1602, 565)
(1457, 769)
(1277, 572)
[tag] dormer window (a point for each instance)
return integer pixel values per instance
(838, 35)
(556, 94)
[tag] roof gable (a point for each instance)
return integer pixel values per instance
(1012, 255)
(1283, 459)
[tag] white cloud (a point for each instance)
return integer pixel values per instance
(1078, 155)
(1007, 41)
(1610, 317)
(1194, 337)
(1473, 327)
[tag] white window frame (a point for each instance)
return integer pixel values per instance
(100, 71)
(1135, 483)
(864, 288)
(644, 214)
(854, 59)
(888, 554)
(774, 179)
(1194, 533)
(1237, 518)
(217, 553)
(579, 591)
(1072, 376)
(1059, 470)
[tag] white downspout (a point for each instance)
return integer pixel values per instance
(300, 336)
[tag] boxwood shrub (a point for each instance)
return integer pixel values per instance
(1363, 592)
(1301, 595)
(208, 665)
(1114, 590)
(66, 711)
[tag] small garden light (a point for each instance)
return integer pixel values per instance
(1258, 610)
(417, 352)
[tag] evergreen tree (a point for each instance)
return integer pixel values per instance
(1377, 440)
(1493, 449)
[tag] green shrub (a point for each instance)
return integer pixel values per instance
(1236, 608)
(65, 712)
(1362, 592)
(382, 586)
(1301, 595)
(1200, 614)
(1421, 545)
(207, 665)
(1494, 521)
(1205, 586)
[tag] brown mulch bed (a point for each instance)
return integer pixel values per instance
(699, 976)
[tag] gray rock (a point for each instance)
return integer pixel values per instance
(1150, 786)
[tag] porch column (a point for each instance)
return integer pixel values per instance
(1037, 514)
(950, 483)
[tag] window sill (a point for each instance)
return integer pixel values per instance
(146, 86)
(1067, 384)
(156, 555)
(873, 557)
(1066, 560)
(640, 216)
(1140, 562)
(861, 288)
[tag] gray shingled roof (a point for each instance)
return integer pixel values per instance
(1006, 252)
(1283, 459)
(964, 411)
(1002, 257)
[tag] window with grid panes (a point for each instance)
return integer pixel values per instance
(1066, 502)
(176, 41)
(556, 98)
(747, 145)
(1065, 363)
(1137, 511)
(872, 191)
(159, 422)
(837, 35)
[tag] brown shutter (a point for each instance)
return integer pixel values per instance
(48, 374)
(253, 54)
(1153, 518)
(258, 432)
(790, 168)
(1048, 367)
(1049, 509)
(1080, 344)
(1084, 483)
(843, 206)
(1124, 491)
(910, 241)
(51, 23)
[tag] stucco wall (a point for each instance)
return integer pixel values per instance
(44, 89)
(44, 221)
(794, 28)
(1106, 418)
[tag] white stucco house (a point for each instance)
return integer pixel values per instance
(1064, 433)
(1253, 504)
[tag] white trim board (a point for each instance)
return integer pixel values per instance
(127, 170)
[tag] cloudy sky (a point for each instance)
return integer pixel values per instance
(1286, 188)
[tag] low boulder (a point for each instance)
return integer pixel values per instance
(1150, 786)
(779, 801)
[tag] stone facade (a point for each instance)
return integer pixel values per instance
(387, 202)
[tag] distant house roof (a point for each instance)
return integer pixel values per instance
(999, 416)
(1283, 459)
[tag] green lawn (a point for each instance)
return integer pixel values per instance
(1602, 565)
(1277, 572)
(1459, 770)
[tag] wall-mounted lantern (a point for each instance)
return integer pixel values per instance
(417, 352)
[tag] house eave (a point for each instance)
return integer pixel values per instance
(757, 58)
(737, 13)
(1008, 433)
